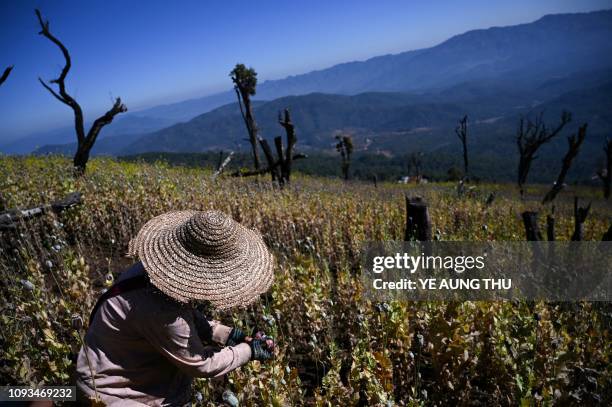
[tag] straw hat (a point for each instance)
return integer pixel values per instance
(193, 255)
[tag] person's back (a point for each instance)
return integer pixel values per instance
(141, 347)
(145, 347)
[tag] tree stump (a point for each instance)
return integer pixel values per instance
(608, 235)
(418, 223)
(530, 220)
(550, 225)
(580, 215)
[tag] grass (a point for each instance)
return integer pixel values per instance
(336, 346)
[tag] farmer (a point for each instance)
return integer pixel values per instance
(146, 341)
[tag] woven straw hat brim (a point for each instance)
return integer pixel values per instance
(230, 278)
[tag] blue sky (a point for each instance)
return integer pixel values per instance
(153, 52)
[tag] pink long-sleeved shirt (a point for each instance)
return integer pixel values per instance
(142, 347)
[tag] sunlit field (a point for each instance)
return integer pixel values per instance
(337, 348)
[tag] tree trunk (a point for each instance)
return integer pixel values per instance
(81, 158)
(291, 141)
(282, 168)
(247, 116)
(274, 171)
(252, 128)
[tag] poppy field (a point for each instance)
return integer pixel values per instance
(335, 346)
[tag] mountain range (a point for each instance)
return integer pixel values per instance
(402, 102)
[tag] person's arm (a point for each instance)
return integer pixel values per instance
(211, 331)
(177, 339)
(220, 332)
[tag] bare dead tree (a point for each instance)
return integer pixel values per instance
(462, 132)
(605, 175)
(416, 162)
(269, 169)
(5, 74)
(345, 147)
(573, 149)
(530, 137)
(286, 159)
(85, 142)
(279, 167)
(245, 83)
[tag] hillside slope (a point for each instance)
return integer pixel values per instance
(388, 123)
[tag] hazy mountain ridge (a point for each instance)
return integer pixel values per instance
(553, 45)
(486, 73)
(128, 124)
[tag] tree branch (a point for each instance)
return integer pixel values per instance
(50, 89)
(102, 121)
(246, 122)
(572, 152)
(242, 173)
(530, 138)
(45, 32)
(60, 81)
(5, 74)
(222, 165)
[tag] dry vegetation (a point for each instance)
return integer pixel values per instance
(336, 347)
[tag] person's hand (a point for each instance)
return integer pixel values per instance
(260, 335)
(235, 337)
(260, 350)
(262, 346)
